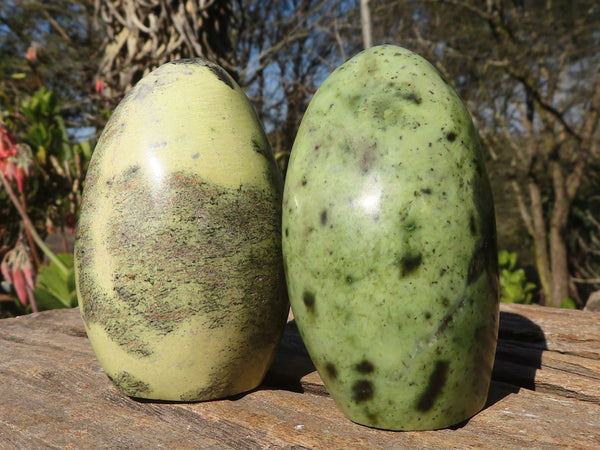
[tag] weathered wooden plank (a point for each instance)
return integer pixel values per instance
(546, 371)
(550, 350)
(54, 394)
(316, 422)
(566, 331)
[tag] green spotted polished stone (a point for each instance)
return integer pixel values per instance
(389, 244)
(178, 246)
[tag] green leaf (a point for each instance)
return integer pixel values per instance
(46, 300)
(85, 149)
(568, 303)
(514, 286)
(54, 289)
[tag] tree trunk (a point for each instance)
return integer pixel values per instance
(540, 243)
(560, 270)
(365, 23)
(558, 246)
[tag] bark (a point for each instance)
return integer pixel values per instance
(539, 235)
(365, 23)
(145, 35)
(558, 246)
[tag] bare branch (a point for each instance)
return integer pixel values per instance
(586, 280)
(522, 208)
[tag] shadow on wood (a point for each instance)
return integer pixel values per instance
(521, 343)
(291, 362)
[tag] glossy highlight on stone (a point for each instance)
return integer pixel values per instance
(389, 244)
(178, 246)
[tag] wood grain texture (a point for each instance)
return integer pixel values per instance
(53, 394)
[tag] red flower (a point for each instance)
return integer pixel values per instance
(70, 222)
(20, 287)
(8, 144)
(100, 86)
(31, 54)
(17, 270)
(16, 160)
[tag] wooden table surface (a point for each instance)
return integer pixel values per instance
(53, 394)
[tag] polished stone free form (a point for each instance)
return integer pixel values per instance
(389, 244)
(178, 247)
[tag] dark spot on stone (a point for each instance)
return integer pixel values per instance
(412, 96)
(437, 380)
(354, 101)
(132, 169)
(324, 217)
(309, 301)
(444, 323)
(349, 279)
(197, 60)
(130, 385)
(373, 417)
(451, 136)
(221, 74)
(426, 191)
(427, 315)
(257, 147)
(472, 225)
(365, 366)
(196, 156)
(331, 370)
(477, 264)
(368, 159)
(410, 263)
(287, 232)
(362, 390)
(304, 182)
(445, 301)
(157, 145)
(448, 318)
(317, 147)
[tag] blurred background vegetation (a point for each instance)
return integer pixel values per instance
(528, 70)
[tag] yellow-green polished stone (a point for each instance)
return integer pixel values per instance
(389, 244)
(178, 247)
